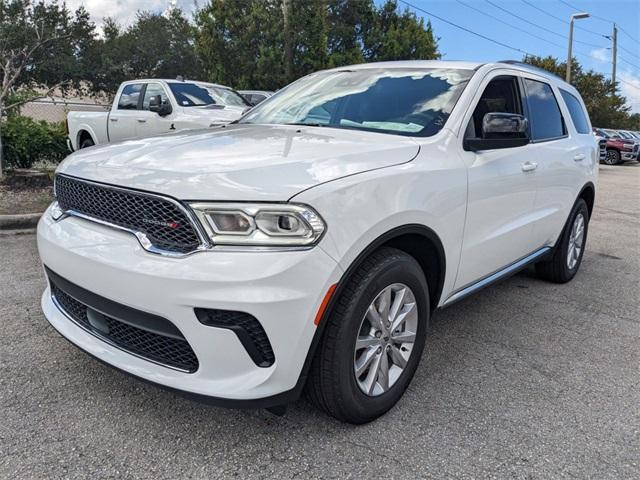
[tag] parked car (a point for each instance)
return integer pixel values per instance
(146, 108)
(308, 244)
(254, 97)
(618, 148)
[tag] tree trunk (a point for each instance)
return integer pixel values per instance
(288, 47)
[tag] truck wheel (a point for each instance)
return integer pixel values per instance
(567, 256)
(612, 157)
(87, 142)
(373, 339)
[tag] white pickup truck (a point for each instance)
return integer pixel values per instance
(150, 107)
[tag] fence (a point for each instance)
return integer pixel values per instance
(56, 109)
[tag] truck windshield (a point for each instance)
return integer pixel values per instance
(411, 102)
(199, 95)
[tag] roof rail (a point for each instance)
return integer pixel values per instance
(528, 66)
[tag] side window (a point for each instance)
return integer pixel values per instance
(152, 90)
(129, 97)
(501, 95)
(576, 111)
(544, 114)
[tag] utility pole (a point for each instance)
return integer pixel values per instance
(575, 16)
(614, 56)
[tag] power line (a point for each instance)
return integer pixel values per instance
(497, 42)
(602, 19)
(466, 29)
(509, 24)
(561, 19)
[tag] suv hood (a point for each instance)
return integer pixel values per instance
(239, 162)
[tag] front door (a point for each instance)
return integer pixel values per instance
(501, 190)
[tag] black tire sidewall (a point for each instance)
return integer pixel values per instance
(579, 207)
(86, 143)
(359, 405)
(617, 157)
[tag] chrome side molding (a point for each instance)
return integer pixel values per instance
(494, 277)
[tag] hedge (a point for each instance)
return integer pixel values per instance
(26, 141)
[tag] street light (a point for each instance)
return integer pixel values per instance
(575, 16)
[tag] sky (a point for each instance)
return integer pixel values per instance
(542, 29)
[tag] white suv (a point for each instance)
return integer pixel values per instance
(308, 244)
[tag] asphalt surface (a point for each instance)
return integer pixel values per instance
(524, 380)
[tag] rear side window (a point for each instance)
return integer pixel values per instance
(544, 113)
(129, 97)
(576, 111)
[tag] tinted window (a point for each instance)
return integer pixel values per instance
(577, 113)
(152, 90)
(544, 114)
(129, 97)
(191, 95)
(500, 96)
(413, 102)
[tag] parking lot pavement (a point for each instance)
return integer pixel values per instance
(524, 380)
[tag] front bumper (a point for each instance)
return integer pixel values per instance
(283, 290)
(629, 155)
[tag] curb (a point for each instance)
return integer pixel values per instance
(19, 222)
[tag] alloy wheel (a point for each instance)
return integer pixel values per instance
(385, 339)
(576, 241)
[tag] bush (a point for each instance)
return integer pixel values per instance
(26, 141)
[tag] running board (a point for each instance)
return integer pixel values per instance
(494, 277)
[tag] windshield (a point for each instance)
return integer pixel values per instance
(400, 101)
(198, 95)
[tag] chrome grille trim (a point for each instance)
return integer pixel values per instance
(145, 242)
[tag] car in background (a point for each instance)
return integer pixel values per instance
(254, 97)
(618, 148)
(150, 107)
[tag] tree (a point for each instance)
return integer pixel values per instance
(395, 36)
(606, 110)
(42, 48)
(154, 45)
(248, 43)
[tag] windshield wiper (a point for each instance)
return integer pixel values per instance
(308, 124)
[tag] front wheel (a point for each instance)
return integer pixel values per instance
(373, 339)
(567, 257)
(87, 142)
(612, 157)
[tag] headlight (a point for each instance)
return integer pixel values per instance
(262, 225)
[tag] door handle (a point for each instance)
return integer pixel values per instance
(142, 120)
(529, 166)
(113, 119)
(579, 157)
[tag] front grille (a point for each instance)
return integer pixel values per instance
(168, 351)
(246, 327)
(162, 221)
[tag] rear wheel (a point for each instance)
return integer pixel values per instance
(612, 157)
(373, 339)
(566, 259)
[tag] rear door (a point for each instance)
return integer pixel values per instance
(565, 153)
(501, 189)
(123, 119)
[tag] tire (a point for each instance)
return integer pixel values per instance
(560, 269)
(87, 142)
(612, 157)
(332, 384)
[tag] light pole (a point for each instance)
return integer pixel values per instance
(575, 16)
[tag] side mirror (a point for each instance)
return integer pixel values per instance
(500, 130)
(156, 105)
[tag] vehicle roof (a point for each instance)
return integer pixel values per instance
(512, 64)
(173, 80)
